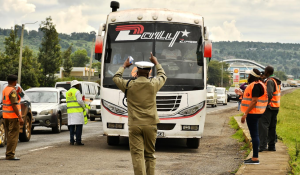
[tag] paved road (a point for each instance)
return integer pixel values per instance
(43, 137)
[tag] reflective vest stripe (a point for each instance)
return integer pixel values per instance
(72, 105)
(7, 109)
(262, 101)
(275, 101)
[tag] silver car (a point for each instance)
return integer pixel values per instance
(49, 107)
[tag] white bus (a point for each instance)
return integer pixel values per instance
(180, 42)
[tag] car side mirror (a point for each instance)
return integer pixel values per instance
(63, 101)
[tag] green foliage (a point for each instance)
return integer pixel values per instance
(281, 75)
(80, 58)
(9, 62)
(215, 72)
(96, 65)
(288, 127)
(49, 55)
(67, 65)
(295, 71)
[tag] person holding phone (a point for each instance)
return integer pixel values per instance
(142, 112)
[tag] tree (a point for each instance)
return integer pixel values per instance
(68, 65)
(49, 53)
(295, 71)
(215, 72)
(281, 75)
(97, 66)
(80, 58)
(9, 62)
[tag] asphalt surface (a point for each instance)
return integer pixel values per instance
(49, 153)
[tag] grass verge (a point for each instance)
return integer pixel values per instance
(288, 127)
(239, 135)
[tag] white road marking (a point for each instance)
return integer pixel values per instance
(41, 148)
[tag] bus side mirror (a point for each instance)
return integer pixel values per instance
(98, 48)
(208, 49)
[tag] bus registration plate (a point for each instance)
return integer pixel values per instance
(160, 134)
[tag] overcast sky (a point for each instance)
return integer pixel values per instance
(233, 20)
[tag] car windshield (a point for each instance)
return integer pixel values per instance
(66, 86)
(231, 89)
(210, 89)
(175, 46)
(220, 91)
(42, 96)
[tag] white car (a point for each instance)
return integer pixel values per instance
(222, 95)
(95, 111)
(211, 96)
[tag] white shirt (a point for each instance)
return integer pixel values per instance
(77, 118)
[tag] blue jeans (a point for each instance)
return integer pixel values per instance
(78, 133)
(252, 122)
(239, 105)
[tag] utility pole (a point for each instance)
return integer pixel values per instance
(20, 58)
(91, 61)
(222, 74)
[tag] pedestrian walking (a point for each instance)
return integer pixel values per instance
(253, 105)
(268, 121)
(75, 108)
(12, 115)
(142, 112)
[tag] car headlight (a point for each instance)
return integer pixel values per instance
(46, 112)
(192, 110)
(210, 97)
(93, 107)
(113, 108)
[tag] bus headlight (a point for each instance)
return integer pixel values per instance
(192, 110)
(113, 108)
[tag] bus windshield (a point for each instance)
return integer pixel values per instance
(175, 46)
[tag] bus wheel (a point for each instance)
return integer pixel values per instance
(113, 140)
(193, 142)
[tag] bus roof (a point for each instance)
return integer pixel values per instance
(154, 14)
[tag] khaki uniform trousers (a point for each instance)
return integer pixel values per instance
(12, 134)
(142, 140)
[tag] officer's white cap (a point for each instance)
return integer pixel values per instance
(144, 64)
(74, 82)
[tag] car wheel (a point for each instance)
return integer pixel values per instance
(228, 100)
(193, 142)
(2, 133)
(92, 118)
(57, 128)
(213, 106)
(32, 128)
(113, 140)
(26, 134)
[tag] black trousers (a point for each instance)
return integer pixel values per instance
(267, 128)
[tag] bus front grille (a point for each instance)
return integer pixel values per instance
(168, 103)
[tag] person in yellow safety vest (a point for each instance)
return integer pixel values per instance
(12, 115)
(84, 113)
(75, 109)
(254, 103)
(267, 123)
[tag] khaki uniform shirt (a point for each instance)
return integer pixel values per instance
(13, 97)
(141, 96)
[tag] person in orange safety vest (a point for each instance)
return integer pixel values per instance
(12, 115)
(268, 121)
(254, 103)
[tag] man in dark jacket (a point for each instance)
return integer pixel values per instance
(268, 121)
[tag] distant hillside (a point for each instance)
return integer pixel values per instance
(284, 57)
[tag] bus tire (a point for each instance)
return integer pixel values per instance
(193, 142)
(113, 140)
(92, 118)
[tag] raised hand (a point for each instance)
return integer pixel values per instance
(153, 59)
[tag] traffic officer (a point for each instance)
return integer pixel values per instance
(142, 112)
(254, 103)
(268, 121)
(75, 108)
(12, 115)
